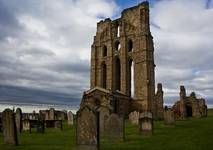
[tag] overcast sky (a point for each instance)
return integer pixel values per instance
(45, 46)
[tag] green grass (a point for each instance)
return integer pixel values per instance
(192, 134)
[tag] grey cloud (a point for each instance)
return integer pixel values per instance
(183, 47)
(45, 45)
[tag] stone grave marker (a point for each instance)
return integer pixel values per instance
(134, 117)
(70, 118)
(115, 128)
(103, 116)
(18, 117)
(25, 125)
(52, 114)
(169, 117)
(146, 123)
(9, 127)
(87, 129)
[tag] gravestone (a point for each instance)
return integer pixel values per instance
(69, 118)
(47, 115)
(9, 127)
(87, 129)
(103, 116)
(134, 117)
(25, 125)
(115, 128)
(52, 114)
(169, 117)
(18, 120)
(146, 123)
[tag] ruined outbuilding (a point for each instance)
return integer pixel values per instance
(189, 106)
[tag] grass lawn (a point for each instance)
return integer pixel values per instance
(192, 134)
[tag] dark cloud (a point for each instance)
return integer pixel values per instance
(45, 46)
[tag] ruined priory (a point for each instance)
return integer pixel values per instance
(122, 59)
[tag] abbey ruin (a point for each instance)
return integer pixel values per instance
(118, 46)
(122, 59)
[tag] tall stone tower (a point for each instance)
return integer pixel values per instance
(120, 45)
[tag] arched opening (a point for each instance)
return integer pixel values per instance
(188, 111)
(104, 52)
(131, 78)
(104, 76)
(117, 74)
(130, 46)
(117, 45)
(118, 31)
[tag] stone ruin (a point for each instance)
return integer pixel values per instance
(119, 46)
(158, 103)
(9, 127)
(189, 106)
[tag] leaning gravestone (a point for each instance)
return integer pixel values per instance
(115, 128)
(169, 117)
(9, 127)
(52, 114)
(87, 129)
(146, 123)
(18, 120)
(134, 117)
(70, 118)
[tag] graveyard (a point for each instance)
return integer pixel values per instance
(196, 134)
(122, 109)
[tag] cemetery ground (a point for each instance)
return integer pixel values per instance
(191, 134)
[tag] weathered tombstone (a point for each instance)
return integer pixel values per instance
(9, 127)
(46, 115)
(115, 128)
(169, 117)
(103, 116)
(52, 114)
(25, 125)
(146, 123)
(18, 120)
(87, 129)
(134, 117)
(69, 118)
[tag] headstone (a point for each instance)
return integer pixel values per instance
(52, 114)
(46, 115)
(134, 117)
(146, 123)
(25, 125)
(103, 116)
(18, 120)
(87, 129)
(115, 128)
(69, 118)
(9, 127)
(169, 117)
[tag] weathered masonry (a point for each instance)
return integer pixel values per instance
(122, 63)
